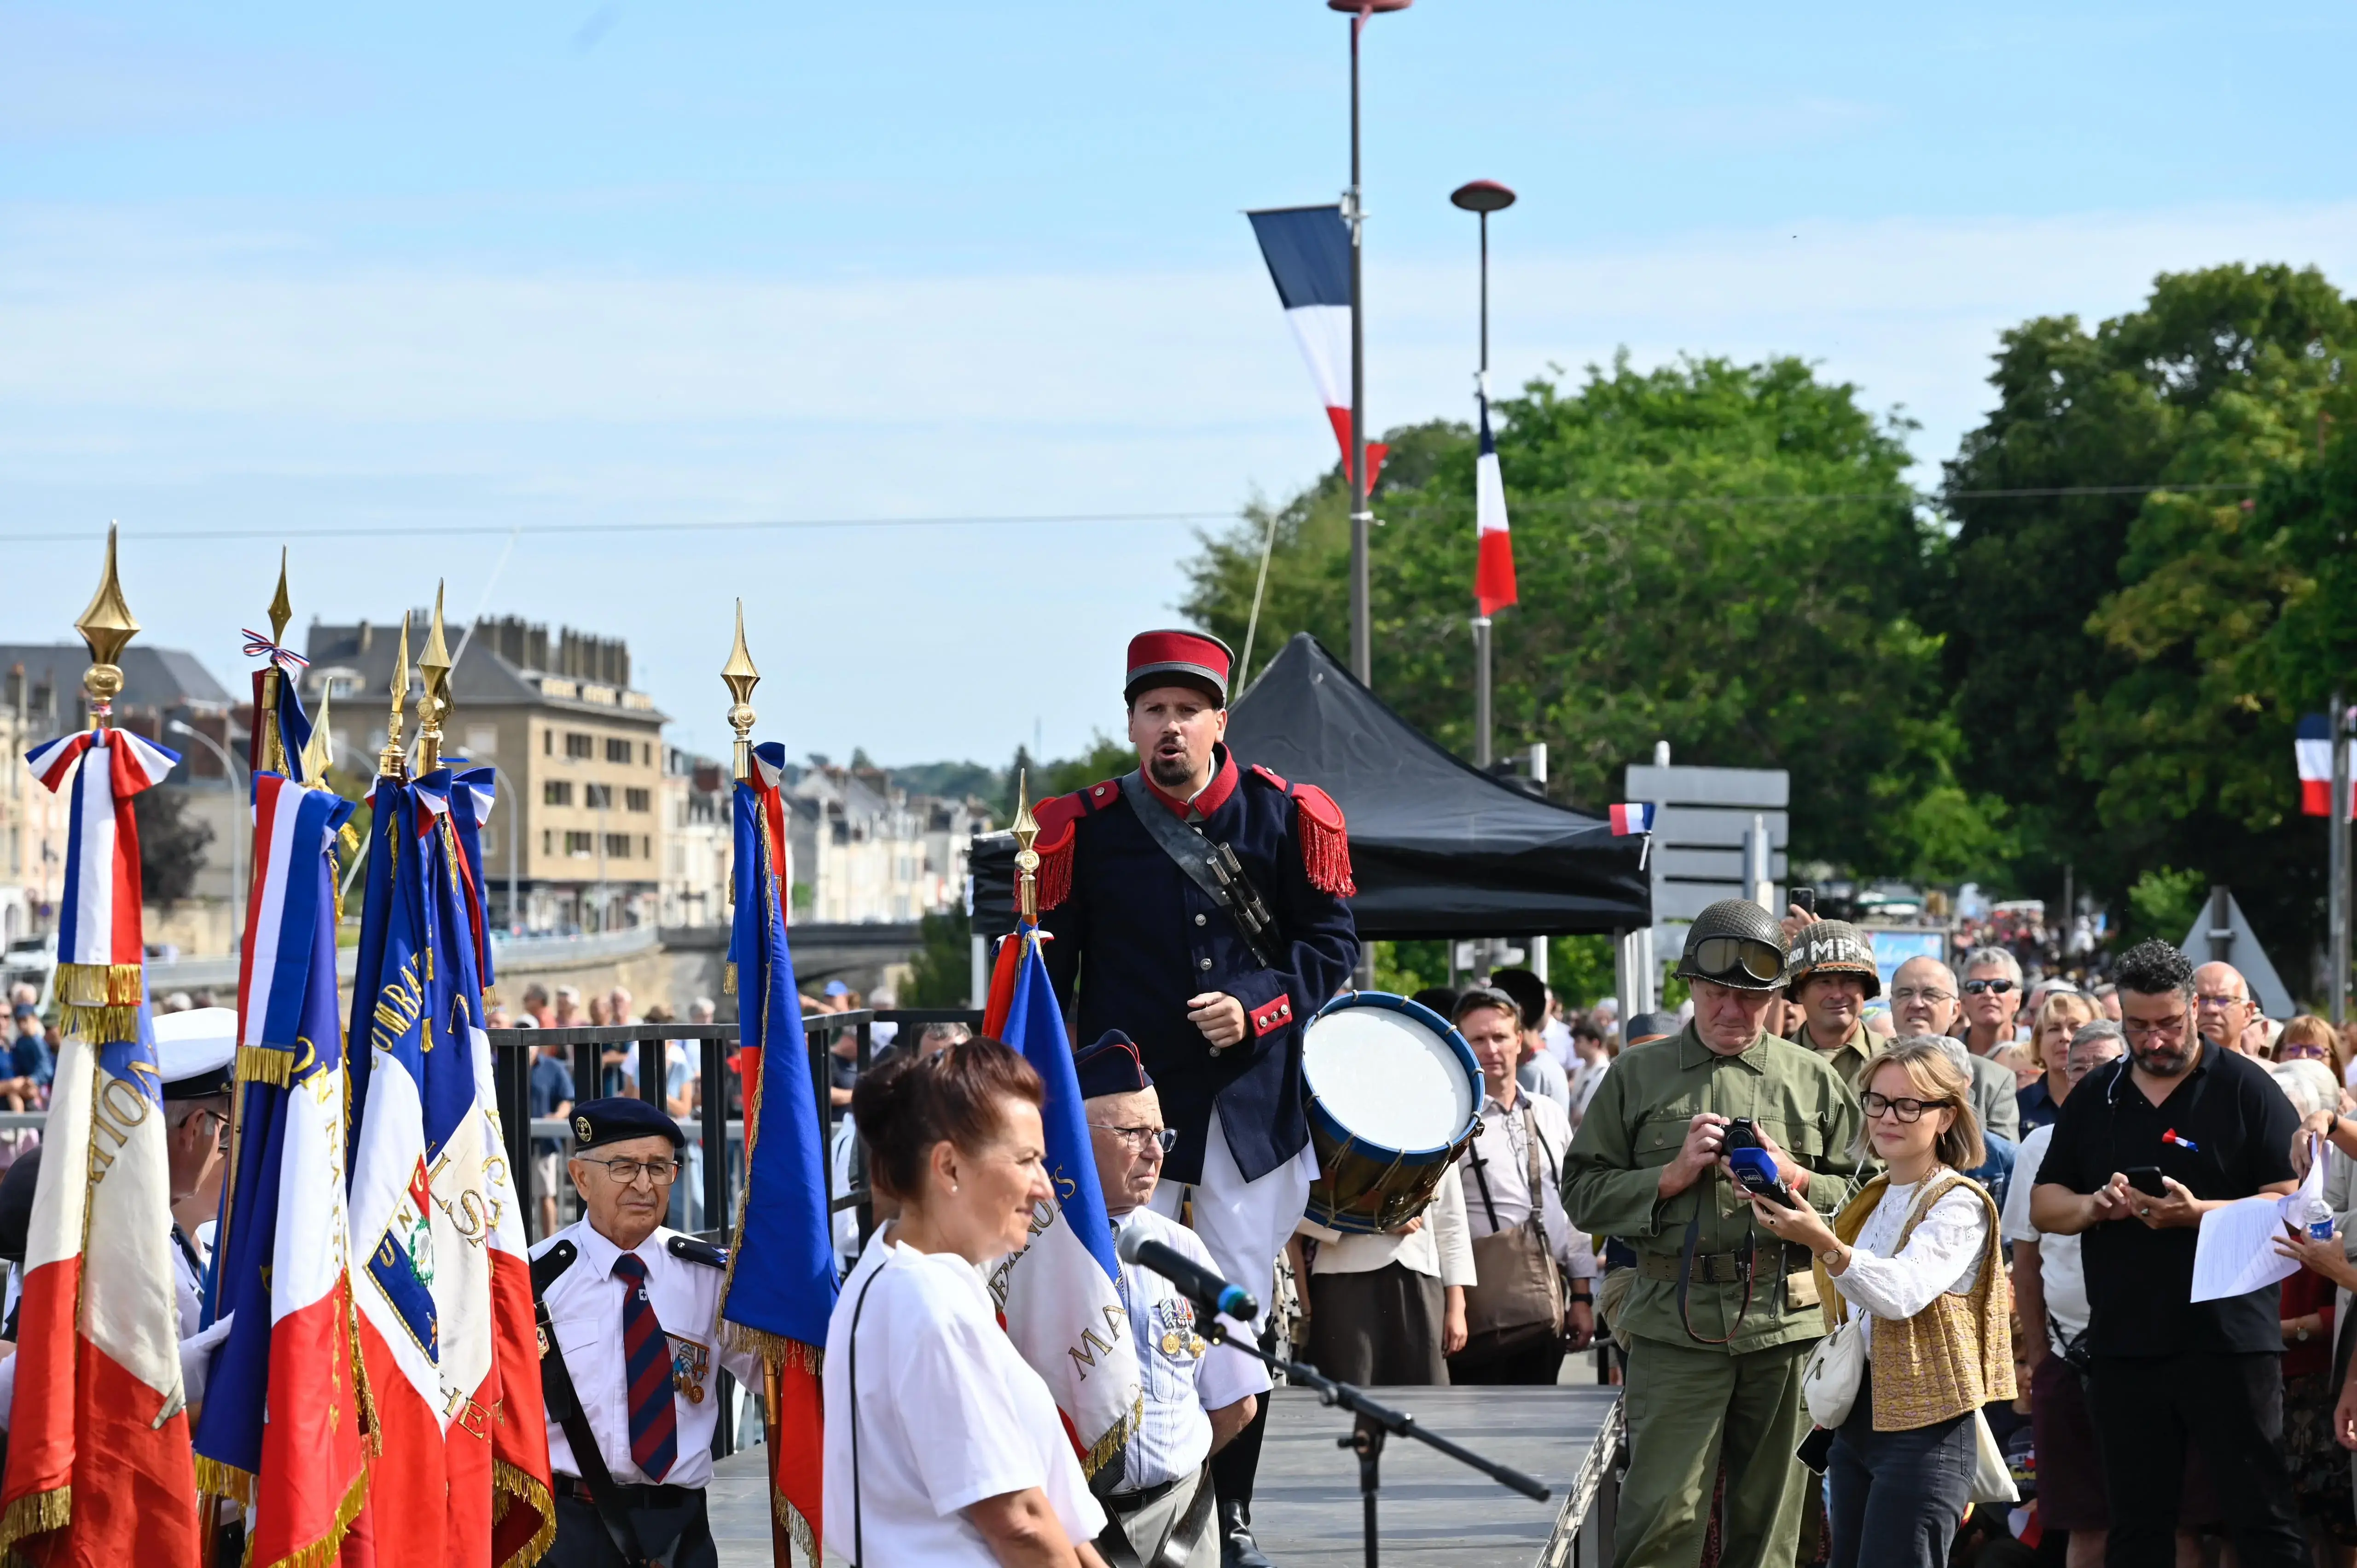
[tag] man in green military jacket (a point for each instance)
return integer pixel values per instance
(1721, 1318)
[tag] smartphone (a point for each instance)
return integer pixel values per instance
(1805, 900)
(2146, 1180)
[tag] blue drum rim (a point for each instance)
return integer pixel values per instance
(1439, 1025)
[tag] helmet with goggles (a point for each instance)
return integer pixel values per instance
(1734, 943)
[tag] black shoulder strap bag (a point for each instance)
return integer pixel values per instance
(1214, 867)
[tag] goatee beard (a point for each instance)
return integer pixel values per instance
(1170, 772)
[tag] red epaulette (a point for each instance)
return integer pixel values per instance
(1058, 822)
(1325, 836)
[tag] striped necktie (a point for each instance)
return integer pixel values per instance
(646, 1353)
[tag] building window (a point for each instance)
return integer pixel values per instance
(638, 800)
(490, 842)
(547, 841)
(646, 753)
(618, 846)
(482, 740)
(548, 743)
(597, 796)
(646, 846)
(578, 746)
(557, 792)
(618, 751)
(581, 844)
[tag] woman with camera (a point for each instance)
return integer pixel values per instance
(1915, 1254)
(943, 1445)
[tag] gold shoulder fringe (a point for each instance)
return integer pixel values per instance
(325, 1550)
(1105, 1448)
(265, 1064)
(36, 1514)
(218, 1480)
(526, 1489)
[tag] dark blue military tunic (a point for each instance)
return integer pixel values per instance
(1140, 939)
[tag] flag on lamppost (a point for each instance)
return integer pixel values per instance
(2312, 752)
(781, 1281)
(1308, 250)
(99, 1460)
(1061, 1295)
(1493, 572)
(281, 1430)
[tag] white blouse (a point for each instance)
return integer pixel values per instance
(1943, 1255)
(948, 1415)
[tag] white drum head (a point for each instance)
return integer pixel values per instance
(1387, 1077)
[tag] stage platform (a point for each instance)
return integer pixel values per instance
(1432, 1509)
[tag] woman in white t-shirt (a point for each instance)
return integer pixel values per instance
(943, 1446)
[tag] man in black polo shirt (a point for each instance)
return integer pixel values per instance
(2166, 1366)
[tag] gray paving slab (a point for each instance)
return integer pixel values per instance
(1431, 1509)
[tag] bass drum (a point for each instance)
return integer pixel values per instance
(1395, 1097)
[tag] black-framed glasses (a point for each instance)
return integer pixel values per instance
(1904, 1107)
(1726, 955)
(1997, 987)
(1162, 1138)
(626, 1173)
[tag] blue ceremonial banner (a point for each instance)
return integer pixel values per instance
(781, 1281)
(1061, 1295)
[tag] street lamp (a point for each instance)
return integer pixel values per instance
(1362, 658)
(236, 842)
(1483, 197)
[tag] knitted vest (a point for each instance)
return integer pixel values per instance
(1956, 1354)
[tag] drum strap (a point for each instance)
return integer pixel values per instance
(1214, 867)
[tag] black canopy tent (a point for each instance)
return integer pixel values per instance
(1440, 849)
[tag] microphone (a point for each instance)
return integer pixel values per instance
(1198, 1283)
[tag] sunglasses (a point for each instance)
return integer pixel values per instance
(1726, 955)
(1976, 987)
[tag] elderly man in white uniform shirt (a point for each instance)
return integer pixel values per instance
(1498, 1192)
(1198, 1395)
(620, 1288)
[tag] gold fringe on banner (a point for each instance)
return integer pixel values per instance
(37, 1514)
(514, 1484)
(775, 1349)
(99, 1022)
(325, 1550)
(265, 1064)
(217, 1479)
(1106, 1447)
(728, 979)
(796, 1525)
(371, 1433)
(100, 984)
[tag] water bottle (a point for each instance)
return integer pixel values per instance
(2313, 1213)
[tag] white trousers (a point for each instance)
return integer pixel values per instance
(1243, 1224)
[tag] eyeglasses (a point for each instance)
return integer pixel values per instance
(626, 1173)
(1162, 1138)
(2150, 1028)
(1725, 955)
(1975, 987)
(1904, 1108)
(2300, 1053)
(2219, 1004)
(1921, 994)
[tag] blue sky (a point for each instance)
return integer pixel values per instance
(279, 268)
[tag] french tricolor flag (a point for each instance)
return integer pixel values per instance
(1308, 250)
(1632, 817)
(1493, 574)
(2312, 748)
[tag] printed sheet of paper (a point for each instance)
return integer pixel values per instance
(2236, 1253)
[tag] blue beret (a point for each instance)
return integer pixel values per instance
(596, 1122)
(1112, 1066)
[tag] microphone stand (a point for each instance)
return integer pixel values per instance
(1374, 1422)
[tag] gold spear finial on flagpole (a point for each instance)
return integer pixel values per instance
(320, 751)
(434, 667)
(740, 678)
(392, 762)
(107, 628)
(1027, 859)
(274, 740)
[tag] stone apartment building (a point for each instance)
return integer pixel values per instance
(699, 835)
(866, 850)
(578, 832)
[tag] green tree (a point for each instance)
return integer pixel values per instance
(942, 974)
(2118, 671)
(171, 845)
(1721, 556)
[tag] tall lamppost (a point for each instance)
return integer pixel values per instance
(1354, 213)
(1482, 197)
(230, 764)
